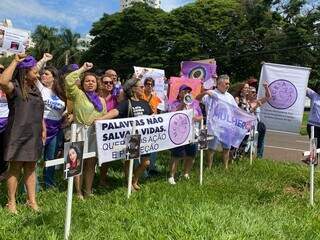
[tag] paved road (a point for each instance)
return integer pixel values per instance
(285, 147)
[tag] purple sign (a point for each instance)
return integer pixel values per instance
(195, 70)
(179, 128)
(284, 94)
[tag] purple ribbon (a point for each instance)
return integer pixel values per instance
(53, 127)
(95, 100)
(28, 62)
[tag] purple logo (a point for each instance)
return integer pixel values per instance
(179, 128)
(283, 94)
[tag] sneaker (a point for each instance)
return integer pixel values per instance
(186, 176)
(171, 181)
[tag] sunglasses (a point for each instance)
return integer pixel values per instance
(108, 82)
(149, 84)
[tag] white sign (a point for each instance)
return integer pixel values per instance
(13, 40)
(158, 76)
(158, 133)
(287, 84)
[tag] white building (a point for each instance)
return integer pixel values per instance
(127, 3)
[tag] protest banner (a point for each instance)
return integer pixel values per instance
(13, 40)
(228, 123)
(287, 84)
(204, 70)
(176, 82)
(158, 133)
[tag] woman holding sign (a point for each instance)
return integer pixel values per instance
(87, 106)
(25, 132)
(133, 106)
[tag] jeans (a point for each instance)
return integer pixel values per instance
(261, 135)
(50, 152)
(153, 158)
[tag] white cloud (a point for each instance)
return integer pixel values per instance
(168, 5)
(33, 9)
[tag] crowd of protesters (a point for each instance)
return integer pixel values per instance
(38, 103)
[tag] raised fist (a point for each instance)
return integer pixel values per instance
(87, 66)
(47, 57)
(20, 57)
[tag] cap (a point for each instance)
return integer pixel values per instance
(184, 87)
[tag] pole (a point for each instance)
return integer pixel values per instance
(311, 168)
(251, 136)
(69, 191)
(201, 158)
(131, 166)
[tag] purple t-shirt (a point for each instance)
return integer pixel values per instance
(194, 105)
(111, 103)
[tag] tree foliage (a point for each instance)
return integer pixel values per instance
(62, 44)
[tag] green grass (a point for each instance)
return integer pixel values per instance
(268, 200)
(303, 129)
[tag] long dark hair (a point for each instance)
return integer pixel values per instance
(20, 74)
(56, 88)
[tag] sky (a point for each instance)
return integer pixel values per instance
(78, 15)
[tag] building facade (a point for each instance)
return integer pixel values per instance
(127, 3)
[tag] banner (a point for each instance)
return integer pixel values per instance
(228, 123)
(13, 40)
(176, 82)
(287, 84)
(200, 70)
(158, 133)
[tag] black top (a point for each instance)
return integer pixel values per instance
(23, 135)
(138, 108)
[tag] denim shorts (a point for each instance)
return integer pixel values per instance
(189, 150)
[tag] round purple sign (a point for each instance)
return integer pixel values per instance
(179, 128)
(283, 94)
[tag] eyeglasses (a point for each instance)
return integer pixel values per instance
(148, 84)
(108, 82)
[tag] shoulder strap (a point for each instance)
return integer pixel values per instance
(130, 111)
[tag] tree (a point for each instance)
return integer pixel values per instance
(45, 39)
(239, 34)
(67, 51)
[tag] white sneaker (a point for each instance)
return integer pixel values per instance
(171, 181)
(186, 176)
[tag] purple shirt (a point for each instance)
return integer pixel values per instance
(314, 115)
(194, 105)
(111, 103)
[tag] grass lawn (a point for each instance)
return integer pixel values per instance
(268, 200)
(303, 129)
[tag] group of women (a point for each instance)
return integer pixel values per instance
(42, 101)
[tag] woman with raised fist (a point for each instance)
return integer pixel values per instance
(87, 106)
(25, 132)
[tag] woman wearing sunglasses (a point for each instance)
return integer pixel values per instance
(111, 100)
(133, 106)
